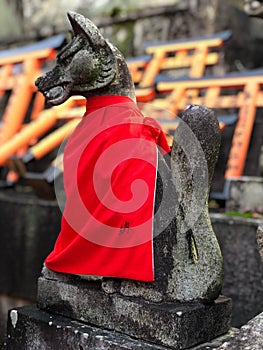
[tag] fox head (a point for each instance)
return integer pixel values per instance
(87, 66)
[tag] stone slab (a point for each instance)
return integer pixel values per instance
(6, 303)
(39, 330)
(245, 194)
(29, 228)
(30, 328)
(249, 337)
(243, 269)
(174, 325)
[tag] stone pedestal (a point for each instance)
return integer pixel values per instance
(29, 228)
(171, 325)
(30, 328)
(243, 269)
(37, 329)
(245, 194)
(74, 313)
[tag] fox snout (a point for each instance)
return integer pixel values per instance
(44, 82)
(53, 87)
(38, 82)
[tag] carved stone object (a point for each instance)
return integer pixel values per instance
(181, 307)
(187, 256)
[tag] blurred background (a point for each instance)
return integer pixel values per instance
(129, 23)
(213, 48)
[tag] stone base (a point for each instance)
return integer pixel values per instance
(25, 240)
(245, 194)
(171, 325)
(243, 269)
(30, 328)
(36, 329)
(8, 302)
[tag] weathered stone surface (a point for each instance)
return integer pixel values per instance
(29, 227)
(217, 342)
(245, 194)
(243, 269)
(189, 323)
(260, 241)
(6, 303)
(198, 270)
(39, 330)
(250, 336)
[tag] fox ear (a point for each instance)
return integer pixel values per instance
(82, 25)
(106, 59)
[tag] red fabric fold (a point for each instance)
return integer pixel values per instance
(110, 165)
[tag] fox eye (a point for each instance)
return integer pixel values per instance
(67, 53)
(67, 60)
(64, 59)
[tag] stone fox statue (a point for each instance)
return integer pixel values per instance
(175, 249)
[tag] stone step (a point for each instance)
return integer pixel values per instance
(174, 325)
(30, 328)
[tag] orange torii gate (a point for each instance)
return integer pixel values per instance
(212, 93)
(170, 94)
(19, 69)
(30, 59)
(70, 112)
(195, 54)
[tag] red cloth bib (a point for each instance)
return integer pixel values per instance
(110, 167)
